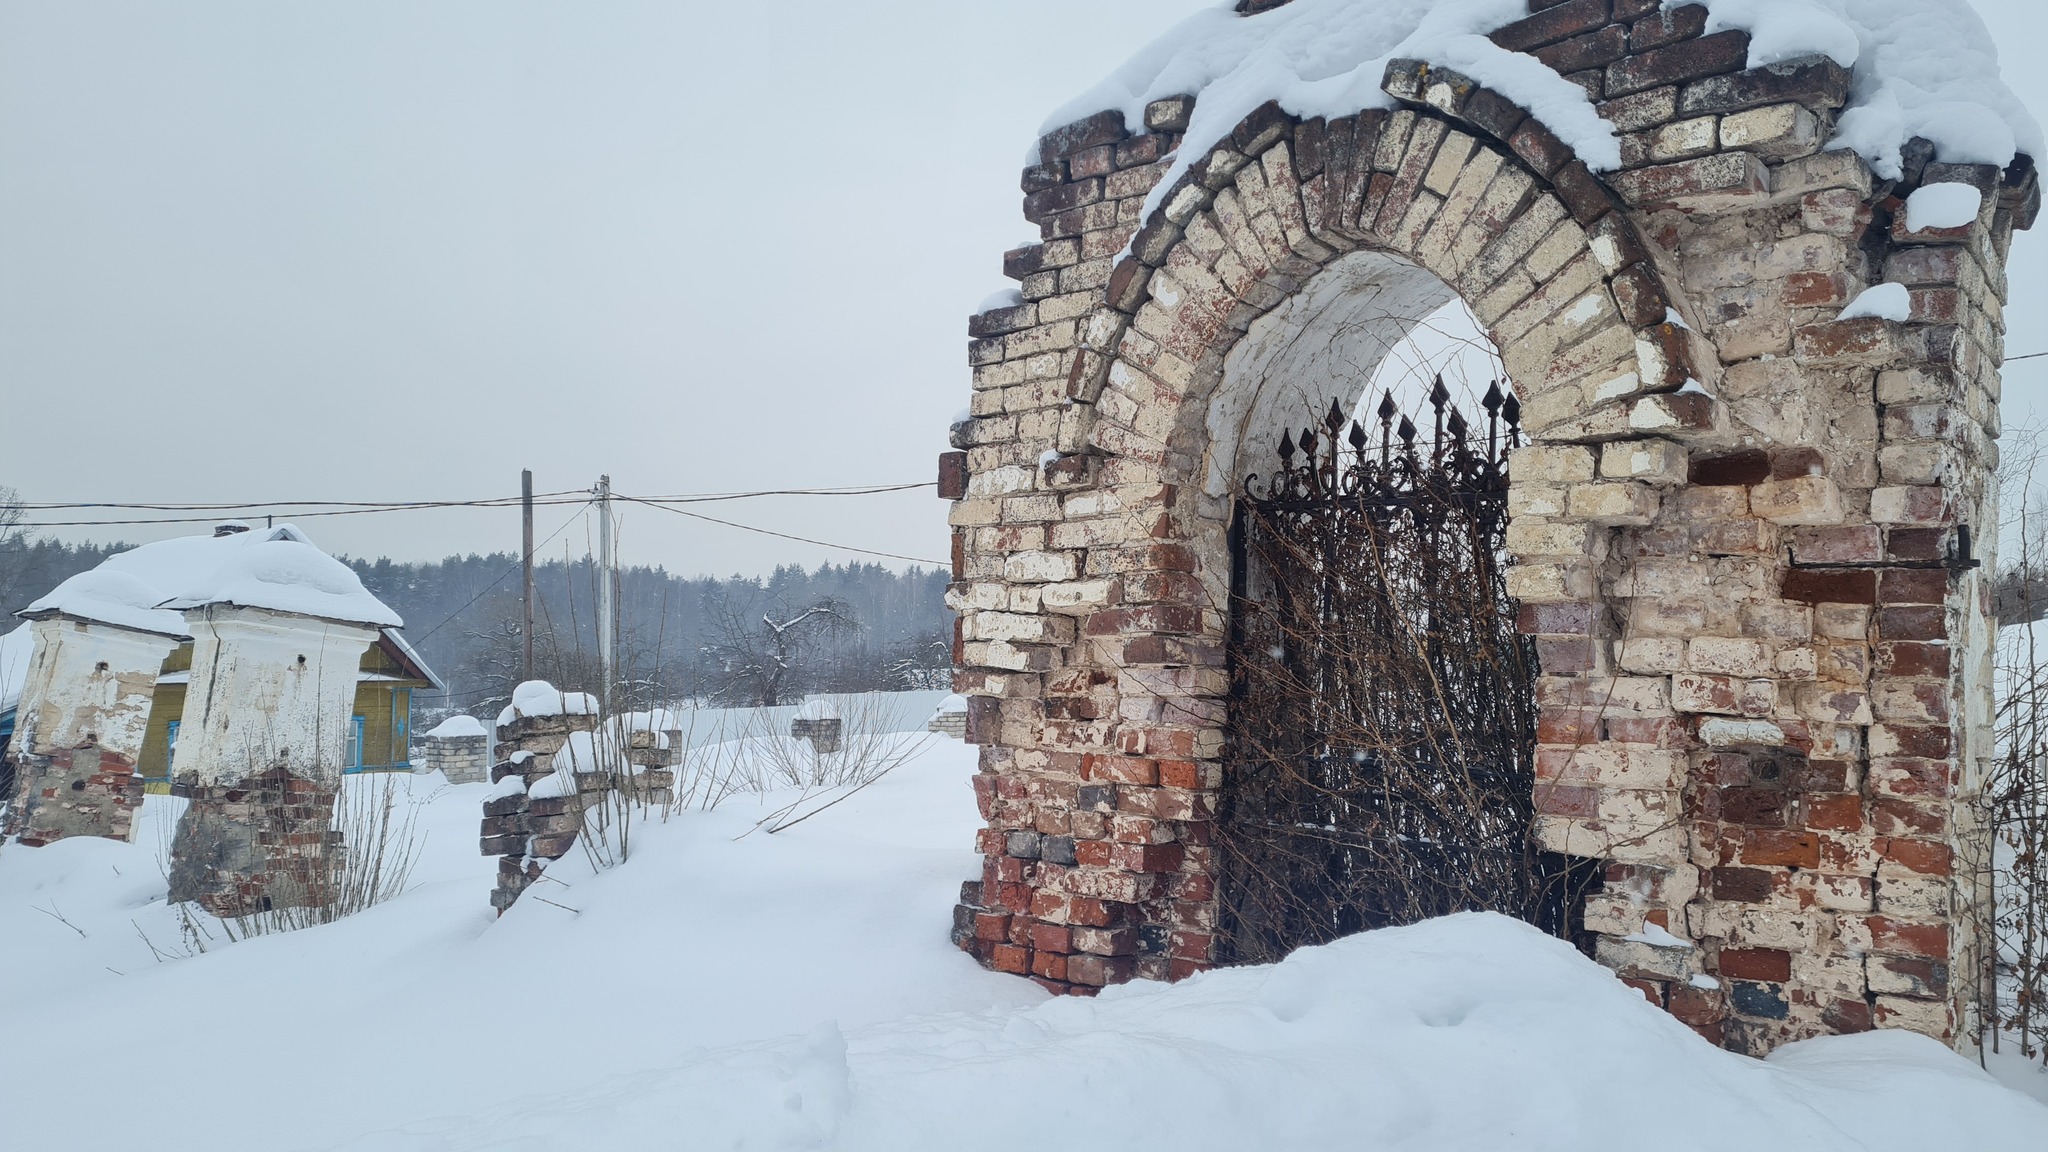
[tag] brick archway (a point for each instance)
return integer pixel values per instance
(1735, 540)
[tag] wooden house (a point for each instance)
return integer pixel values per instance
(380, 736)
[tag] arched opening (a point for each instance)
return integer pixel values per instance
(1379, 756)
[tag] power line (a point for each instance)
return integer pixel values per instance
(567, 496)
(2028, 356)
(500, 580)
(310, 509)
(783, 535)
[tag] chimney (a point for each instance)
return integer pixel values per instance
(229, 528)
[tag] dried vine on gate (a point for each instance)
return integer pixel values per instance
(1380, 768)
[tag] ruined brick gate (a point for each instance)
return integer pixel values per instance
(1741, 528)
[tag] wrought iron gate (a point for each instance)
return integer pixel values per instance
(1379, 768)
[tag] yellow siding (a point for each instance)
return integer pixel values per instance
(374, 703)
(382, 747)
(165, 707)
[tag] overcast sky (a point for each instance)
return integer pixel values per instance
(399, 250)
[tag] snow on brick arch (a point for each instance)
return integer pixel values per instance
(1738, 262)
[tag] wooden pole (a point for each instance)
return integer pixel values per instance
(526, 569)
(607, 609)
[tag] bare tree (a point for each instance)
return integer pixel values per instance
(2016, 795)
(13, 541)
(761, 661)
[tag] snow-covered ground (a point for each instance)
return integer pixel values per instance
(725, 990)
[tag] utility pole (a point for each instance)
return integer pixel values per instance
(526, 572)
(607, 611)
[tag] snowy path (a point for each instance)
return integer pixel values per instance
(798, 991)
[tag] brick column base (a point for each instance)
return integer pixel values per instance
(261, 844)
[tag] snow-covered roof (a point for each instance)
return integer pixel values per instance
(1919, 68)
(273, 568)
(457, 726)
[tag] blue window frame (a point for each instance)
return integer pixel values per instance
(401, 727)
(352, 756)
(170, 754)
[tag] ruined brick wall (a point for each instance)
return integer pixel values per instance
(83, 713)
(526, 831)
(82, 791)
(462, 759)
(260, 844)
(1740, 535)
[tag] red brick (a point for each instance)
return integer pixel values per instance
(1927, 857)
(1917, 543)
(1911, 776)
(1099, 971)
(1915, 622)
(1694, 1006)
(1567, 726)
(1106, 941)
(1928, 741)
(1901, 938)
(1652, 990)
(1914, 659)
(1051, 966)
(1754, 807)
(1686, 60)
(1780, 847)
(1148, 857)
(1195, 946)
(1930, 978)
(1561, 619)
(1743, 885)
(1747, 467)
(1894, 817)
(1556, 22)
(1591, 50)
(1640, 296)
(1120, 769)
(1667, 27)
(1834, 813)
(1566, 800)
(1815, 81)
(1094, 853)
(1010, 958)
(1829, 586)
(1847, 1017)
(1767, 964)
(1538, 147)
(1913, 586)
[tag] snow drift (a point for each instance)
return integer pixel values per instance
(733, 990)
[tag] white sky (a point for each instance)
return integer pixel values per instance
(398, 250)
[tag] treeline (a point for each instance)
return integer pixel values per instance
(31, 566)
(739, 639)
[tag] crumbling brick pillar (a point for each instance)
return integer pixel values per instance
(261, 844)
(1746, 533)
(82, 716)
(524, 831)
(260, 756)
(545, 789)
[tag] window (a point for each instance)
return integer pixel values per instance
(171, 748)
(352, 756)
(401, 727)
